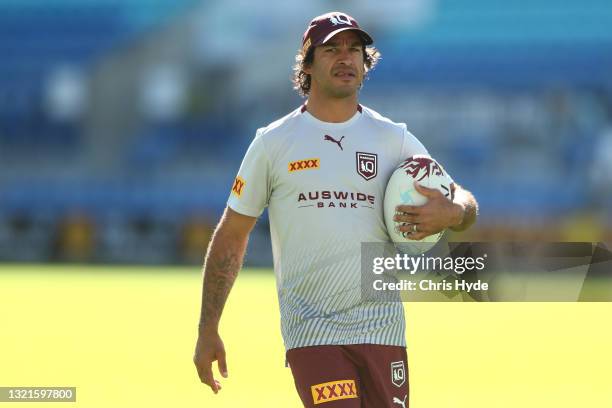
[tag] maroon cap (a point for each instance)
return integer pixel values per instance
(325, 26)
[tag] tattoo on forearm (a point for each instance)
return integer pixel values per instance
(220, 273)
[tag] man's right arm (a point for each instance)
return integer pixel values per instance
(221, 266)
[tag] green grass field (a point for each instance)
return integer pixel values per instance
(125, 337)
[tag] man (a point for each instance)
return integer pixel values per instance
(308, 169)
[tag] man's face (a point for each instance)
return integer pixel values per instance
(337, 69)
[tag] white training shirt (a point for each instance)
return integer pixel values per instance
(324, 200)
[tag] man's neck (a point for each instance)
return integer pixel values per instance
(335, 110)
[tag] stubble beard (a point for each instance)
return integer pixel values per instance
(341, 92)
(344, 92)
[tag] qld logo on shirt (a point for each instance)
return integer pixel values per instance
(367, 165)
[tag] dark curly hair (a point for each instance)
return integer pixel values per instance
(301, 80)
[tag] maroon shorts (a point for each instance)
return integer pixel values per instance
(352, 376)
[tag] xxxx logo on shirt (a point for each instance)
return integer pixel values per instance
(304, 164)
(238, 186)
(333, 391)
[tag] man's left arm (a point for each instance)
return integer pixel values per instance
(438, 213)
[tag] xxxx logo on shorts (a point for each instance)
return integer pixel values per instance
(304, 164)
(333, 391)
(238, 186)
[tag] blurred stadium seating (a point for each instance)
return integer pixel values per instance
(122, 123)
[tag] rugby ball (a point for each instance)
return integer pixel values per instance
(400, 190)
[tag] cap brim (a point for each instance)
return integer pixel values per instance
(367, 40)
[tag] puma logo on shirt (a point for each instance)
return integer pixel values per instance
(331, 139)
